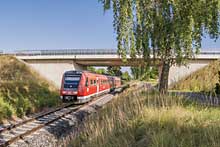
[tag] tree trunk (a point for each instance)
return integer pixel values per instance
(163, 83)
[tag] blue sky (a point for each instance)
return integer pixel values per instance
(58, 24)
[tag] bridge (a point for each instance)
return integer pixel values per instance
(52, 63)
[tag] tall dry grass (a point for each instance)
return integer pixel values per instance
(141, 118)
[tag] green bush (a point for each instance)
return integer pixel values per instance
(6, 110)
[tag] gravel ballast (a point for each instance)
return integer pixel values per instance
(60, 132)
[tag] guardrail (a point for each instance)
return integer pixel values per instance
(66, 52)
(80, 52)
(209, 53)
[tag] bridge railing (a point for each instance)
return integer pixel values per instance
(210, 53)
(66, 52)
(80, 52)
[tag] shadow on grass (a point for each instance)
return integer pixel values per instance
(202, 98)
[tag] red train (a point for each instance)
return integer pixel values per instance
(80, 86)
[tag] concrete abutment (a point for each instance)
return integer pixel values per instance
(53, 70)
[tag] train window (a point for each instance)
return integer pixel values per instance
(91, 82)
(87, 82)
(94, 82)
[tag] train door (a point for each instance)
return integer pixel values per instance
(97, 82)
(113, 83)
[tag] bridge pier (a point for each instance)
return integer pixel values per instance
(53, 70)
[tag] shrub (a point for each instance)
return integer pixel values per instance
(6, 110)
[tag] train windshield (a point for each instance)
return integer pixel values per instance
(71, 82)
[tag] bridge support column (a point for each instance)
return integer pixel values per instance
(53, 70)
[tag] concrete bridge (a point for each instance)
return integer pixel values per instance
(52, 63)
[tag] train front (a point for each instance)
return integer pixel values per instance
(70, 85)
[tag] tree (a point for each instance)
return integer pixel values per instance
(138, 71)
(144, 72)
(98, 71)
(170, 30)
(114, 70)
(125, 76)
(91, 68)
(101, 71)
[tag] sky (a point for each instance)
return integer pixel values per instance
(60, 24)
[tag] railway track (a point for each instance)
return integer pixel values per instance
(15, 132)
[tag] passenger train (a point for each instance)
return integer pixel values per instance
(81, 86)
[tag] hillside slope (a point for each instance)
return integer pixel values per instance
(22, 90)
(201, 80)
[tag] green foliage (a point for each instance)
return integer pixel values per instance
(171, 30)
(111, 70)
(125, 76)
(114, 70)
(140, 118)
(98, 71)
(101, 71)
(144, 73)
(6, 110)
(22, 90)
(91, 68)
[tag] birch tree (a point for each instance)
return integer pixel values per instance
(169, 30)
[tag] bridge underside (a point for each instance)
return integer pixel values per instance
(52, 69)
(91, 62)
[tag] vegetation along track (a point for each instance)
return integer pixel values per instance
(15, 132)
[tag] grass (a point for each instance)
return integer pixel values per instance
(141, 118)
(22, 90)
(201, 80)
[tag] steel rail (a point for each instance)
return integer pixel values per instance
(4, 143)
(41, 123)
(34, 118)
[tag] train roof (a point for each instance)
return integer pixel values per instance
(79, 72)
(73, 72)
